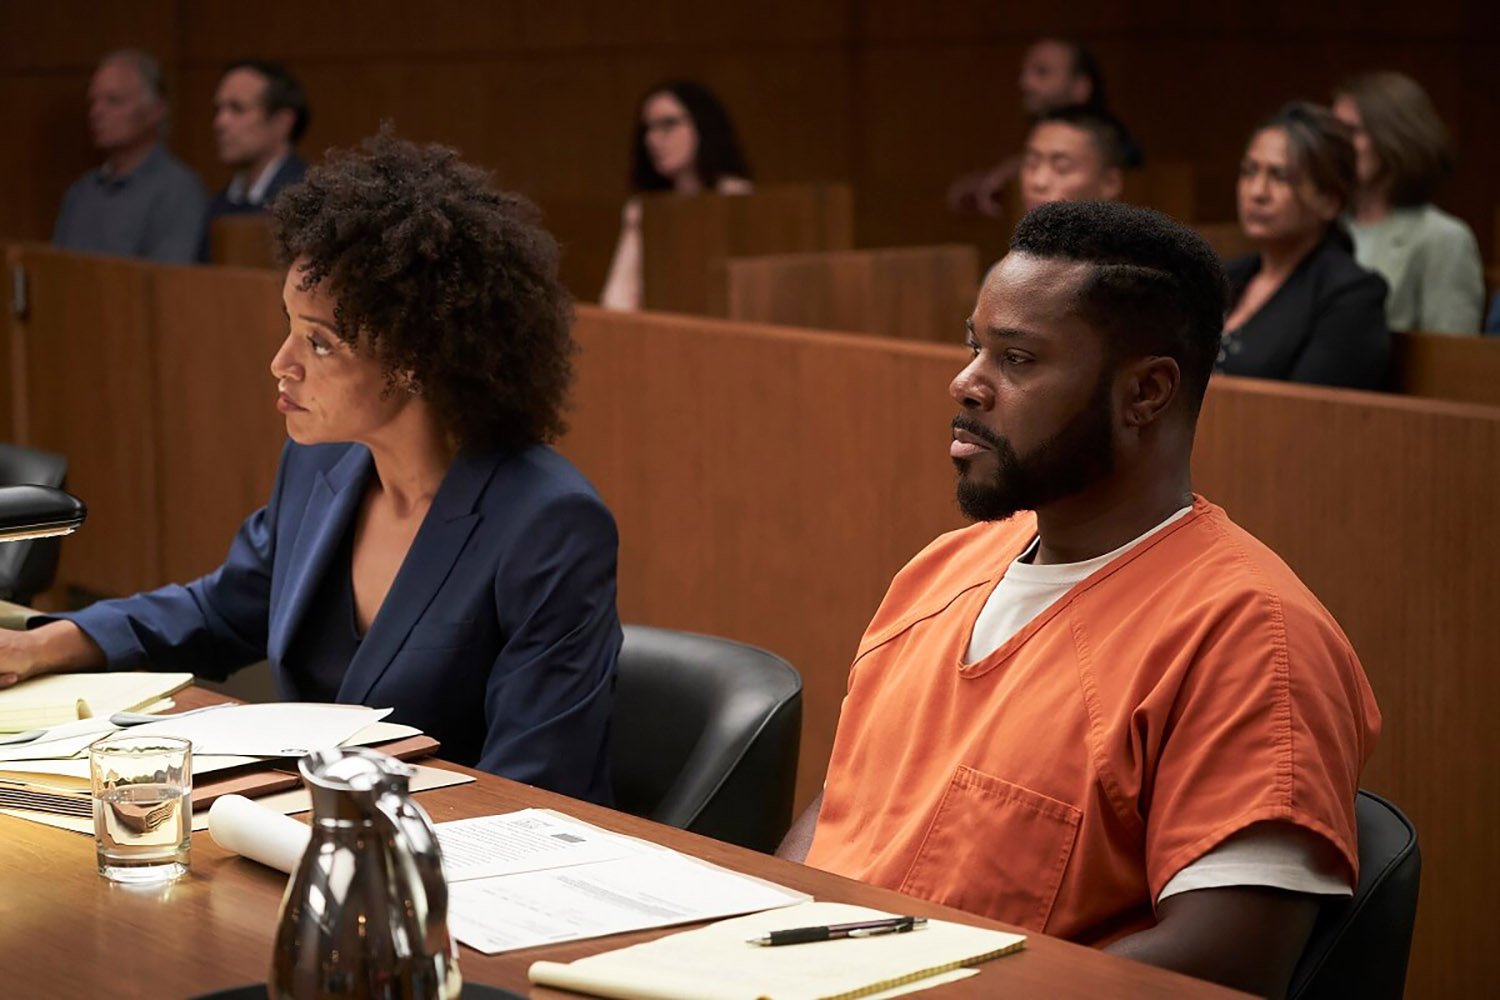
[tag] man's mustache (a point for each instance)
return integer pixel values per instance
(963, 422)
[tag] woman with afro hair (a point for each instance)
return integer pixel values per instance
(423, 547)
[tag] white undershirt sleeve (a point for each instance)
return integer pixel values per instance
(1279, 855)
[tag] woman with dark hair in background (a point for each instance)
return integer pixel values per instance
(1403, 154)
(686, 144)
(1300, 308)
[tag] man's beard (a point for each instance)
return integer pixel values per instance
(1069, 462)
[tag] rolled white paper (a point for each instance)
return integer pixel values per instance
(239, 825)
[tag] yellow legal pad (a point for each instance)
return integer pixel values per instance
(717, 963)
(54, 698)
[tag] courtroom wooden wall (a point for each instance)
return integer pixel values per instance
(893, 96)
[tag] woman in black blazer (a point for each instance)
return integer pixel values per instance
(1300, 308)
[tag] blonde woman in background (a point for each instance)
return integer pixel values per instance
(1403, 153)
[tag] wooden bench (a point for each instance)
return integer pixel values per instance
(920, 293)
(687, 242)
(1443, 366)
(242, 241)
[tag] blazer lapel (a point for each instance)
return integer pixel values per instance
(438, 543)
(332, 501)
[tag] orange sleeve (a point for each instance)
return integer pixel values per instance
(1271, 721)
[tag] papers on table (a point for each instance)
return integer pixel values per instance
(526, 841)
(67, 739)
(56, 698)
(275, 729)
(656, 888)
(39, 783)
(539, 877)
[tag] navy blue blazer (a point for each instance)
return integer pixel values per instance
(499, 635)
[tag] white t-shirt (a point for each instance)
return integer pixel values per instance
(1281, 855)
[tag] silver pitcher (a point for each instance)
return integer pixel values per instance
(365, 916)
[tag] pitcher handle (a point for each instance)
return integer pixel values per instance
(405, 816)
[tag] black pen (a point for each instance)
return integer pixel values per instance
(858, 929)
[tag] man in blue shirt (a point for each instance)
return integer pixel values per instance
(142, 202)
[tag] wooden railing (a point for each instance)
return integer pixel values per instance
(920, 293)
(688, 241)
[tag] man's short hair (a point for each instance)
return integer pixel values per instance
(1083, 63)
(1156, 287)
(145, 66)
(283, 92)
(1107, 132)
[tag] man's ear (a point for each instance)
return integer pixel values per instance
(1113, 184)
(1151, 383)
(284, 119)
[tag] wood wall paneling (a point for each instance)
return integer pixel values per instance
(919, 293)
(928, 114)
(13, 378)
(73, 34)
(219, 435)
(1227, 239)
(90, 378)
(586, 231)
(45, 117)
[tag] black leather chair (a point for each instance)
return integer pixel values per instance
(705, 735)
(28, 567)
(1360, 946)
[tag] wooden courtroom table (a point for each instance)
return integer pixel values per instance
(65, 932)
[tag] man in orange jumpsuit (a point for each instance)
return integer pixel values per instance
(1104, 711)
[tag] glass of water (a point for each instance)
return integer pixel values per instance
(143, 810)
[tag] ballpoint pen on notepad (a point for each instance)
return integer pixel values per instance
(832, 932)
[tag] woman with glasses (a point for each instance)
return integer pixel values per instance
(684, 144)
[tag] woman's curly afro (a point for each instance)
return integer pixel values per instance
(450, 284)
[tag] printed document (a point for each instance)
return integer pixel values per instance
(655, 888)
(526, 841)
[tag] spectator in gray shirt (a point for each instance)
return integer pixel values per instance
(141, 202)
